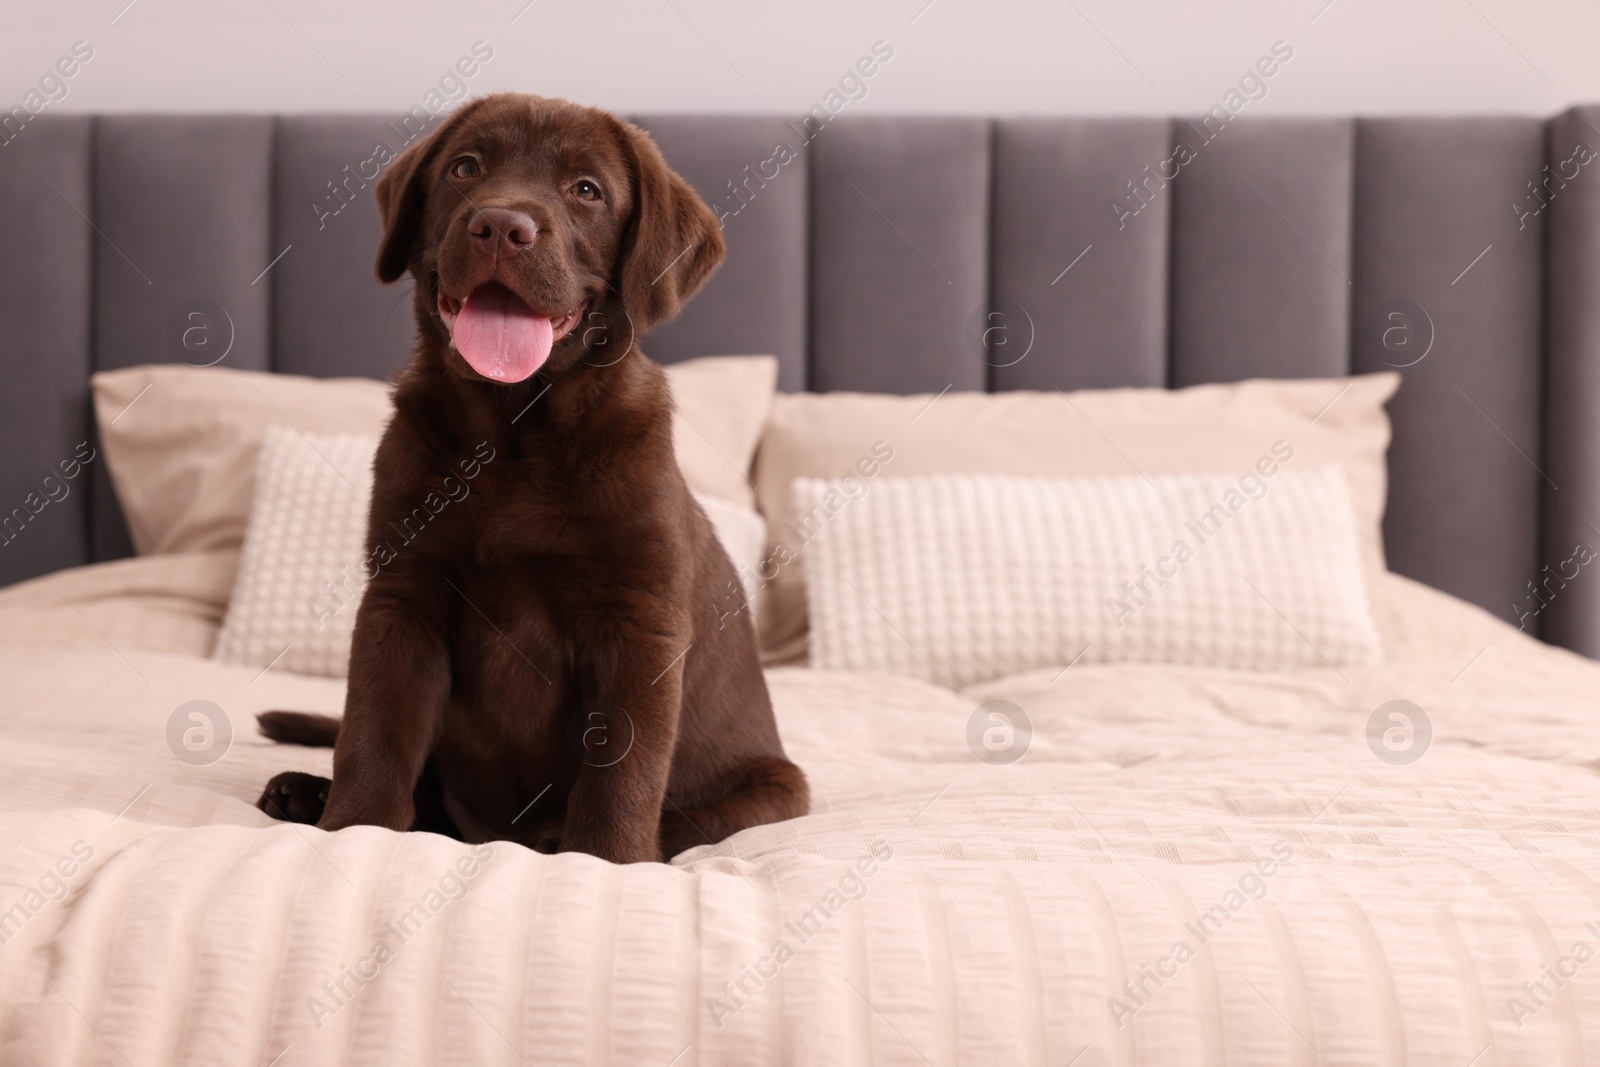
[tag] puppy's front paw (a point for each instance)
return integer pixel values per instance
(541, 834)
(295, 796)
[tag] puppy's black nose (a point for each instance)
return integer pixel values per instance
(503, 228)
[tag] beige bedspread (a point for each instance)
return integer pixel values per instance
(1187, 867)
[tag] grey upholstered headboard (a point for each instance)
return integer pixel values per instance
(1260, 247)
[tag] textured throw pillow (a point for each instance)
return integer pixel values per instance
(960, 578)
(1204, 429)
(181, 442)
(304, 565)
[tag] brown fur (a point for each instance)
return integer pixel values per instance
(545, 661)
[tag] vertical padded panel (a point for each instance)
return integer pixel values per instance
(1103, 322)
(183, 205)
(185, 200)
(1261, 250)
(45, 258)
(899, 242)
(330, 315)
(1431, 196)
(1572, 428)
(756, 302)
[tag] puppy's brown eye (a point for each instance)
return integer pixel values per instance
(586, 190)
(465, 167)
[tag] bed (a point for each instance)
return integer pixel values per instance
(1008, 907)
(1189, 864)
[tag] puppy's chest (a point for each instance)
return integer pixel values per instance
(536, 510)
(512, 505)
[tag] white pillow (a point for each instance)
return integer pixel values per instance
(301, 570)
(743, 533)
(960, 578)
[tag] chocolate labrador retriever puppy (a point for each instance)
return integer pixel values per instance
(544, 661)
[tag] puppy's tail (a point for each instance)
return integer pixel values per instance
(299, 728)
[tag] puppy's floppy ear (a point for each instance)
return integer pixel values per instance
(401, 194)
(673, 241)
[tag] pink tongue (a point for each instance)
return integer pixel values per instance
(500, 336)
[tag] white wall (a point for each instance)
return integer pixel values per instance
(982, 56)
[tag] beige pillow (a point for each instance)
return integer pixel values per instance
(722, 405)
(1206, 429)
(181, 442)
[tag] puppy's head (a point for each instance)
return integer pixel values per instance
(536, 230)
